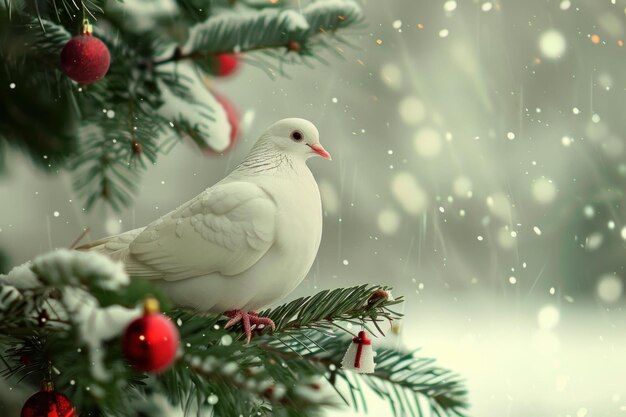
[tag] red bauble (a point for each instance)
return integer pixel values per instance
(48, 403)
(227, 64)
(232, 114)
(150, 342)
(85, 59)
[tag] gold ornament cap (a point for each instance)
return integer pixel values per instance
(47, 385)
(151, 306)
(87, 27)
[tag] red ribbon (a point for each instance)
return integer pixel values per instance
(362, 340)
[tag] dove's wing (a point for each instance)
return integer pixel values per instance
(226, 229)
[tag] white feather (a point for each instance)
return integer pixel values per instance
(226, 230)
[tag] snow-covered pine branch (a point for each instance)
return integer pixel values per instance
(273, 28)
(66, 311)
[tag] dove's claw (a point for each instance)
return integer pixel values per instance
(235, 317)
(247, 319)
(261, 320)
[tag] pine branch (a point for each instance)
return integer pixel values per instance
(192, 108)
(62, 125)
(267, 29)
(442, 389)
(304, 333)
(49, 41)
(100, 173)
(361, 304)
(33, 118)
(330, 16)
(119, 142)
(69, 299)
(417, 380)
(259, 383)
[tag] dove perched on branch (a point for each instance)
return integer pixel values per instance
(241, 244)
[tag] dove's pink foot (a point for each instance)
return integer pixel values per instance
(247, 319)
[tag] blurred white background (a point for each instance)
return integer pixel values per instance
(478, 168)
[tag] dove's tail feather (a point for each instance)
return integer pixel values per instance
(115, 247)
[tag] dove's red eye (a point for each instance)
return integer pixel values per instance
(296, 135)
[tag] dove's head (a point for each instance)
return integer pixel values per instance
(296, 137)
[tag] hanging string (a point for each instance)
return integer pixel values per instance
(86, 12)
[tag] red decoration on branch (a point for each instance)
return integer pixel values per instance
(85, 58)
(227, 64)
(48, 403)
(359, 357)
(361, 340)
(294, 46)
(136, 148)
(150, 342)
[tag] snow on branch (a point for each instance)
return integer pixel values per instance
(243, 32)
(331, 15)
(70, 267)
(267, 29)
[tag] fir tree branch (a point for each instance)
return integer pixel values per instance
(363, 303)
(396, 370)
(62, 125)
(49, 307)
(179, 55)
(267, 29)
(265, 390)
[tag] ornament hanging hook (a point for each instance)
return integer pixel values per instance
(87, 28)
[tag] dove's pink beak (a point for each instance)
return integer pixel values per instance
(319, 149)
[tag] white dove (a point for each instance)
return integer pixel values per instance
(241, 244)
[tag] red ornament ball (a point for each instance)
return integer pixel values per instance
(150, 342)
(85, 59)
(227, 64)
(48, 404)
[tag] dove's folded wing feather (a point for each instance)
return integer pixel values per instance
(226, 229)
(115, 247)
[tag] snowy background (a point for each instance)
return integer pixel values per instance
(479, 168)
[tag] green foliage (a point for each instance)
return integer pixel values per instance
(31, 118)
(412, 385)
(109, 131)
(270, 28)
(352, 305)
(59, 311)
